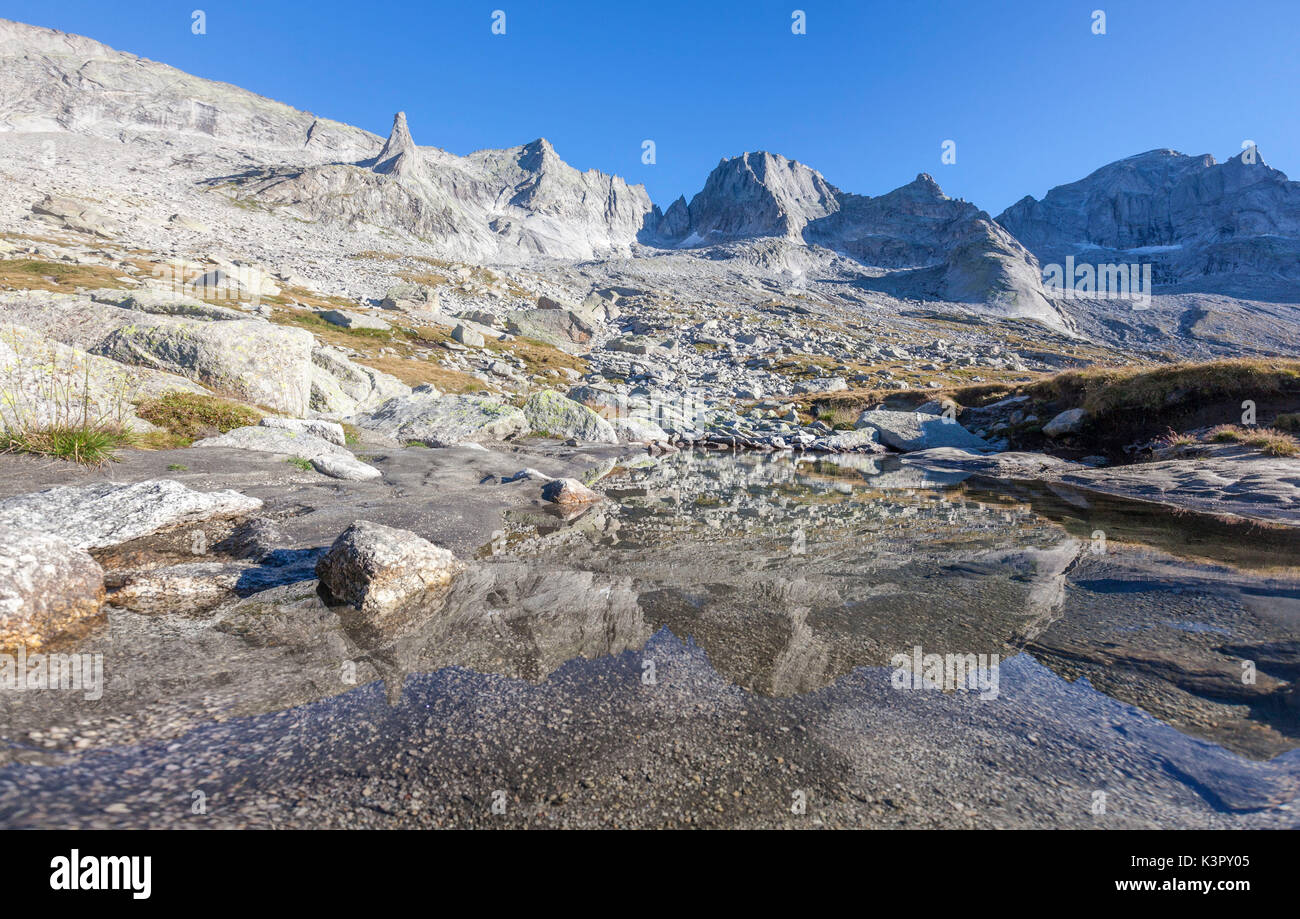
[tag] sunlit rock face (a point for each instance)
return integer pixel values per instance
(1193, 217)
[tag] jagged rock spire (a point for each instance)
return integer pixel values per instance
(399, 155)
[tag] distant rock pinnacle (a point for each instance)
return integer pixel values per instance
(399, 155)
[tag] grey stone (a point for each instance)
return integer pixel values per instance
(348, 468)
(340, 386)
(443, 421)
(325, 430)
(281, 441)
(73, 215)
(552, 413)
(109, 513)
(561, 329)
(347, 319)
(467, 336)
(862, 441)
(377, 568)
(569, 492)
(410, 296)
(163, 303)
(908, 431)
(48, 588)
(254, 361)
(1070, 421)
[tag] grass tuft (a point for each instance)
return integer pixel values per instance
(1269, 441)
(89, 445)
(188, 416)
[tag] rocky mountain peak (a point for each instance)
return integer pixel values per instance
(539, 155)
(399, 156)
(1191, 215)
(755, 194)
(926, 181)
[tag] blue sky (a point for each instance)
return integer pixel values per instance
(1029, 94)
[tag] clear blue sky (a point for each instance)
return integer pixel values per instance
(1030, 95)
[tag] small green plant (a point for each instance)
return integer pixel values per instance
(177, 467)
(90, 446)
(188, 416)
(1274, 443)
(1227, 434)
(841, 418)
(300, 462)
(1269, 441)
(1289, 422)
(1178, 440)
(51, 406)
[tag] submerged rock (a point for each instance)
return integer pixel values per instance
(194, 588)
(48, 588)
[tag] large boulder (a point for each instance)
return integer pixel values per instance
(634, 429)
(111, 513)
(44, 383)
(378, 569)
(555, 414)
(326, 430)
(280, 441)
(569, 493)
(1070, 421)
(563, 329)
(340, 386)
(255, 361)
(431, 418)
(347, 319)
(165, 303)
(469, 336)
(859, 441)
(48, 588)
(71, 214)
(417, 297)
(908, 431)
(600, 399)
